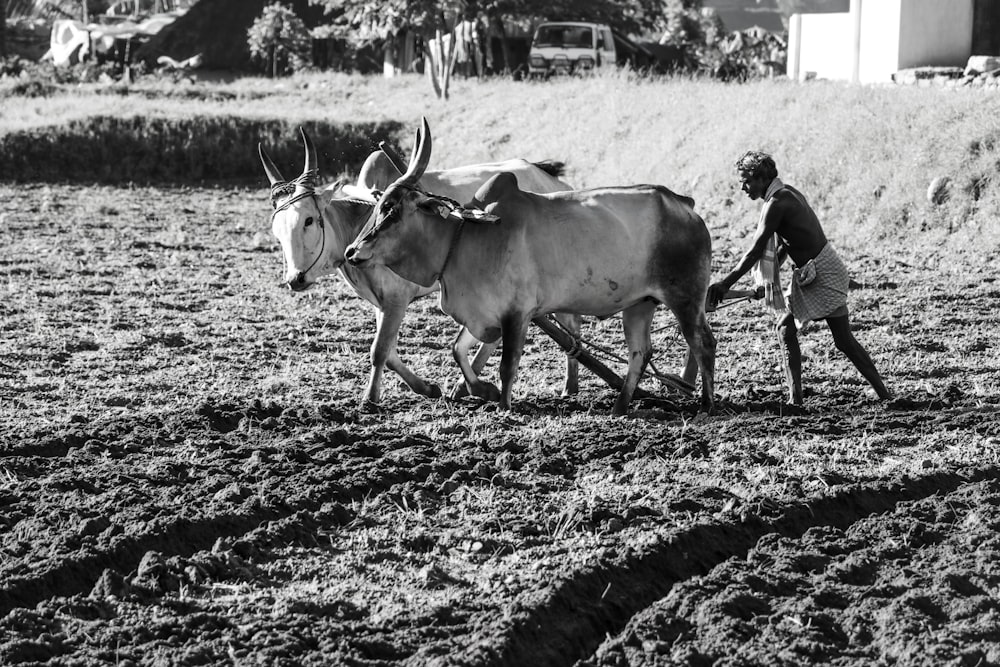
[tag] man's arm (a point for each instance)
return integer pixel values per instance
(765, 230)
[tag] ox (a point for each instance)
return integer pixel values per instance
(590, 252)
(314, 227)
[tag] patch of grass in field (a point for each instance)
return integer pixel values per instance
(863, 155)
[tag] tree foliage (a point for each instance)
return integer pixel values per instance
(279, 39)
(373, 17)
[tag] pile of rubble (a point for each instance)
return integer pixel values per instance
(979, 72)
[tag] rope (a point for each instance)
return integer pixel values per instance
(451, 248)
(280, 189)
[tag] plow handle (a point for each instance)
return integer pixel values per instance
(756, 293)
(397, 161)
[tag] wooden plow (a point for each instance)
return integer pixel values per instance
(576, 348)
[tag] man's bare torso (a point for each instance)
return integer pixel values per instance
(798, 227)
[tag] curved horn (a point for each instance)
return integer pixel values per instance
(421, 156)
(273, 175)
(312, 162)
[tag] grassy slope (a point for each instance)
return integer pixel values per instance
(838, 143)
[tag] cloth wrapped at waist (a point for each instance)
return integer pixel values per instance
(818, 289)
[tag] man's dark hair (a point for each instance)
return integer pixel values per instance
(759, 164)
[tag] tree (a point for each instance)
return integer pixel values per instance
(3, 28)
(280, 39)
(370, 20)
(426, 16)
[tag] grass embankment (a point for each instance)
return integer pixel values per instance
(865, 156)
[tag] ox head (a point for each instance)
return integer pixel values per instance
(308, 238)
(404, 231)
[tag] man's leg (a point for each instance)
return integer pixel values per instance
(791, 357)
(840, 327)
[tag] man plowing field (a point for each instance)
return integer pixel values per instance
(788, 227)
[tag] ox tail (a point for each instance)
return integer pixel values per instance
(552, 167)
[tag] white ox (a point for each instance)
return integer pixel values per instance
(522, 255)
(315, 226)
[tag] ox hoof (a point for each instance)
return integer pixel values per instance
(459, 391)
(433, 391)
(370, 407)
(487, 391)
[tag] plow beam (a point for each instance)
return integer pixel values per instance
(571, 346)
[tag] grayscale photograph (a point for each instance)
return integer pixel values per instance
(500, 333)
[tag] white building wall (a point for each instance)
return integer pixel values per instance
(819, 46)
(880, 27)
(935, 33)
(894, 35)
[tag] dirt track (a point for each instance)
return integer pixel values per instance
(185, 478)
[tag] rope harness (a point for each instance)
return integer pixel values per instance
(448, 202)
(306, 182)
(451, 248)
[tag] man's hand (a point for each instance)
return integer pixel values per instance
(716, 292)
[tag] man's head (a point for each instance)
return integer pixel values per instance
(756, 170)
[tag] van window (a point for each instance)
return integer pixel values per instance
(564, 36)
(581, 37)
(549, 35)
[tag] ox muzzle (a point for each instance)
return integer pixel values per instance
(298, 282)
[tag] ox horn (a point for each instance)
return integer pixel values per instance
(312, 162)
(421, 156)
(273, 175)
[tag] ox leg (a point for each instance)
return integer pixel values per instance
(636, 322)
(571, 386)
(515, 329)
(470, 371)
(701, 346)
(690, 372)
(464, 344)
(383, 354)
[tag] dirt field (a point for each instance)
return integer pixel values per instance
(185, 478)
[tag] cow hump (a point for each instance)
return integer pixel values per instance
(494, 189)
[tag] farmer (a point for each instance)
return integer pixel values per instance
(789, 227)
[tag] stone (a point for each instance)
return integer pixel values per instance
(981, 64)
(939, 191)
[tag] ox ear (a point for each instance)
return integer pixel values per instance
(451, 211)
(476, 215)
(336, 187)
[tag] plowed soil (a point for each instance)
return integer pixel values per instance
(186, 478)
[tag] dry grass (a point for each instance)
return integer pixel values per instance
(864, 155)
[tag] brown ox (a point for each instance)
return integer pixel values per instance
(315, 225)
(590, 252)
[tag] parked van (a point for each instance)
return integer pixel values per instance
(570, 48)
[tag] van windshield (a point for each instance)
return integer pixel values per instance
(566, 36)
